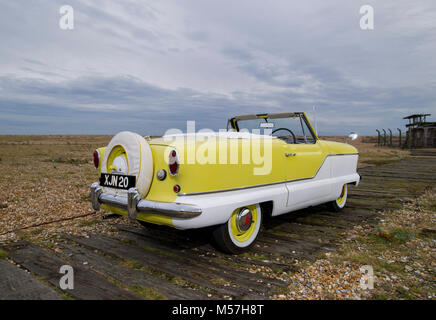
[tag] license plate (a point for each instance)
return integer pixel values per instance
(117, 181)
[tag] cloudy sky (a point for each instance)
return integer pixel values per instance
(147, 66)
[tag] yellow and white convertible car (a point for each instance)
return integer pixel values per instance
(264, 164)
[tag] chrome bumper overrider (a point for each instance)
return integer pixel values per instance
(134, 204)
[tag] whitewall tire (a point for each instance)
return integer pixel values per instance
(338, 204)
(240, 232)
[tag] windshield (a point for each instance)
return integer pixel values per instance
(292, 129)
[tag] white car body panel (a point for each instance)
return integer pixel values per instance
(325, 186)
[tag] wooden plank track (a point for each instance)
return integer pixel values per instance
(156, 262)
(130, 277)
(87, 284)
(17, 284)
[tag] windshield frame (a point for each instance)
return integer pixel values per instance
(233, 122)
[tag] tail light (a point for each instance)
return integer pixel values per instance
(173, 162)
(96, 159)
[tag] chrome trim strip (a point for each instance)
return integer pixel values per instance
(239, 188)
(133, 204)
(266, 184)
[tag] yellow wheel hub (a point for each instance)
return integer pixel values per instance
(341, 198)
(243, 222)
(117, 161)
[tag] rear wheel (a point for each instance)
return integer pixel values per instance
(240, 232)
(338, 204)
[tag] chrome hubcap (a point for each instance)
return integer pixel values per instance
(244, 219)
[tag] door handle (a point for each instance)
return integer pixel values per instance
(290, 154)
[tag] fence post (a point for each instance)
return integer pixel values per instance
(384, 137)
(390, 137)
(399, 131)
(378, 138)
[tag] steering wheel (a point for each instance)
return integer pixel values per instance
(290, 131)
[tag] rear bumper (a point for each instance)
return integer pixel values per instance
(134, 204)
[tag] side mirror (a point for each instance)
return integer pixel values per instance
(353, 136)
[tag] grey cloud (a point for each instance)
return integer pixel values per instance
(148, 66)
(126, 103)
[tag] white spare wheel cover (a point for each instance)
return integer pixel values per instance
(140, 161)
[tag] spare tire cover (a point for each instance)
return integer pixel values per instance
(139, 161)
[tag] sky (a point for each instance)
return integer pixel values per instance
(148, 66)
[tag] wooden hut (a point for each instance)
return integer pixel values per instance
(420, 133)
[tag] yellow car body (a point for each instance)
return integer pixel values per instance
(299, 175)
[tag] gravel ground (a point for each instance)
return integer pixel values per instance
(45, 190)
(401, 249)
(44, 181)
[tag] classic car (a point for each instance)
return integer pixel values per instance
(206, 179)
